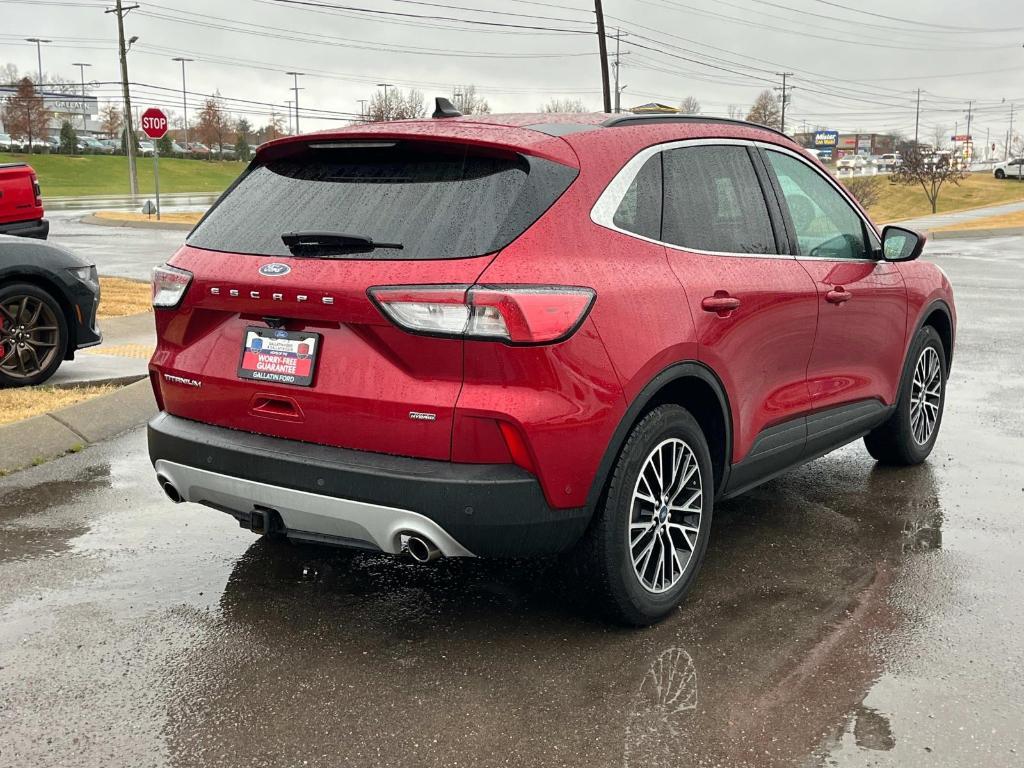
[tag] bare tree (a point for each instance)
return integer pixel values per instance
(396, 105)
(865, 188)
(940, 136)
(689, 106)
(213, 124)
(25, 115)
(468, 102)
(564, 105)
(9, 74)
(765, 110)
(274, 128)
(110, 121)
(928, 171)
(735, 112)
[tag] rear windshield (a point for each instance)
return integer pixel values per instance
(438, 201)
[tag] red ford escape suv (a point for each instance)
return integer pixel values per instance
(526, 334)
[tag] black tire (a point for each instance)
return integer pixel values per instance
(894, 442)
(48, 346)
(605, 552)
(1000, 173)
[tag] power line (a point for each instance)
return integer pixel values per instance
(404, 14)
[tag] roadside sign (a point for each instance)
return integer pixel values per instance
(826, 138)
(154, 123)
(961, 137)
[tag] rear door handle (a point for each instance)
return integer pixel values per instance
(838, 295)
(721, 302)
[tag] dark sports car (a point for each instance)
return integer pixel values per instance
(48, 300)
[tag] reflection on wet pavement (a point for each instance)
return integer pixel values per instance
(847, 615)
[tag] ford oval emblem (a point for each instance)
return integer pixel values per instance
(275, 270)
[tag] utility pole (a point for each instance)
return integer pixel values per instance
(602, 46)
(618, 90)
(129, 126)
(296, 89)
(362, 109)
(785, 98)
(184, 100)
(39, 57)
(289, 117)
(81, 68)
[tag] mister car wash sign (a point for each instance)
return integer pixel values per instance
(826, 138)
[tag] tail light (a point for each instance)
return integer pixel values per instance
(511, 314)
(37, 191)
(169, 286)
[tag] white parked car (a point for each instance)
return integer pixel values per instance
(1008, 168)
(890, 161)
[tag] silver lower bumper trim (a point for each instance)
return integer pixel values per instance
(310, 512)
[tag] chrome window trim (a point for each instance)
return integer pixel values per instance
(603, 211)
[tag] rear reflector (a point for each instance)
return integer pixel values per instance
(512, 314)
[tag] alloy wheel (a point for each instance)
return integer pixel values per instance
(925, 395)
(29, 336)
(664, 521)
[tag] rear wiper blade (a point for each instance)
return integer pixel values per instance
(335, 242)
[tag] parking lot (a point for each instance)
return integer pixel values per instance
(847, 615)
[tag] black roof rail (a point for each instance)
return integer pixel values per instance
(629, 119)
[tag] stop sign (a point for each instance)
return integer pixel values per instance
(154, 123)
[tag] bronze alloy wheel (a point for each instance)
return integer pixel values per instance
(29, 336)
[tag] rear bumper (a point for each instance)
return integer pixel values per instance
(368, 500)
(37, 228)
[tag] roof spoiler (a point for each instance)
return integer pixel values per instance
(444, 108)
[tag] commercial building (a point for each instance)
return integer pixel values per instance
(81, 111)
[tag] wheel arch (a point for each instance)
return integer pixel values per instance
(695, 387)
(939, 317)
(54, 290)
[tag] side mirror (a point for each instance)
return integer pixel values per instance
(901, 244)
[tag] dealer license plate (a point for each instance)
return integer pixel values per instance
(281, 357)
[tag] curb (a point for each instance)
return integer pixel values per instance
(961, 234)
(41, 438)
(153, 224)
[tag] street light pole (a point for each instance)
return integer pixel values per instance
(184, 100)
(917, 117)
(386, 111)
(296, 88)
(81, 68)
(39, 58)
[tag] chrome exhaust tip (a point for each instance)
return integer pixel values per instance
(422, 550)
(169, 489)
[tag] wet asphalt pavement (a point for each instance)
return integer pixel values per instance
(847, 615)
(116, 251)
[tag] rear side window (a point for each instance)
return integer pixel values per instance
(714, 202)
(438, 201)
(640, 209)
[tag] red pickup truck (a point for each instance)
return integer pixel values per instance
(21, 206)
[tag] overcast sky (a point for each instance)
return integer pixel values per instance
(853, 69)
